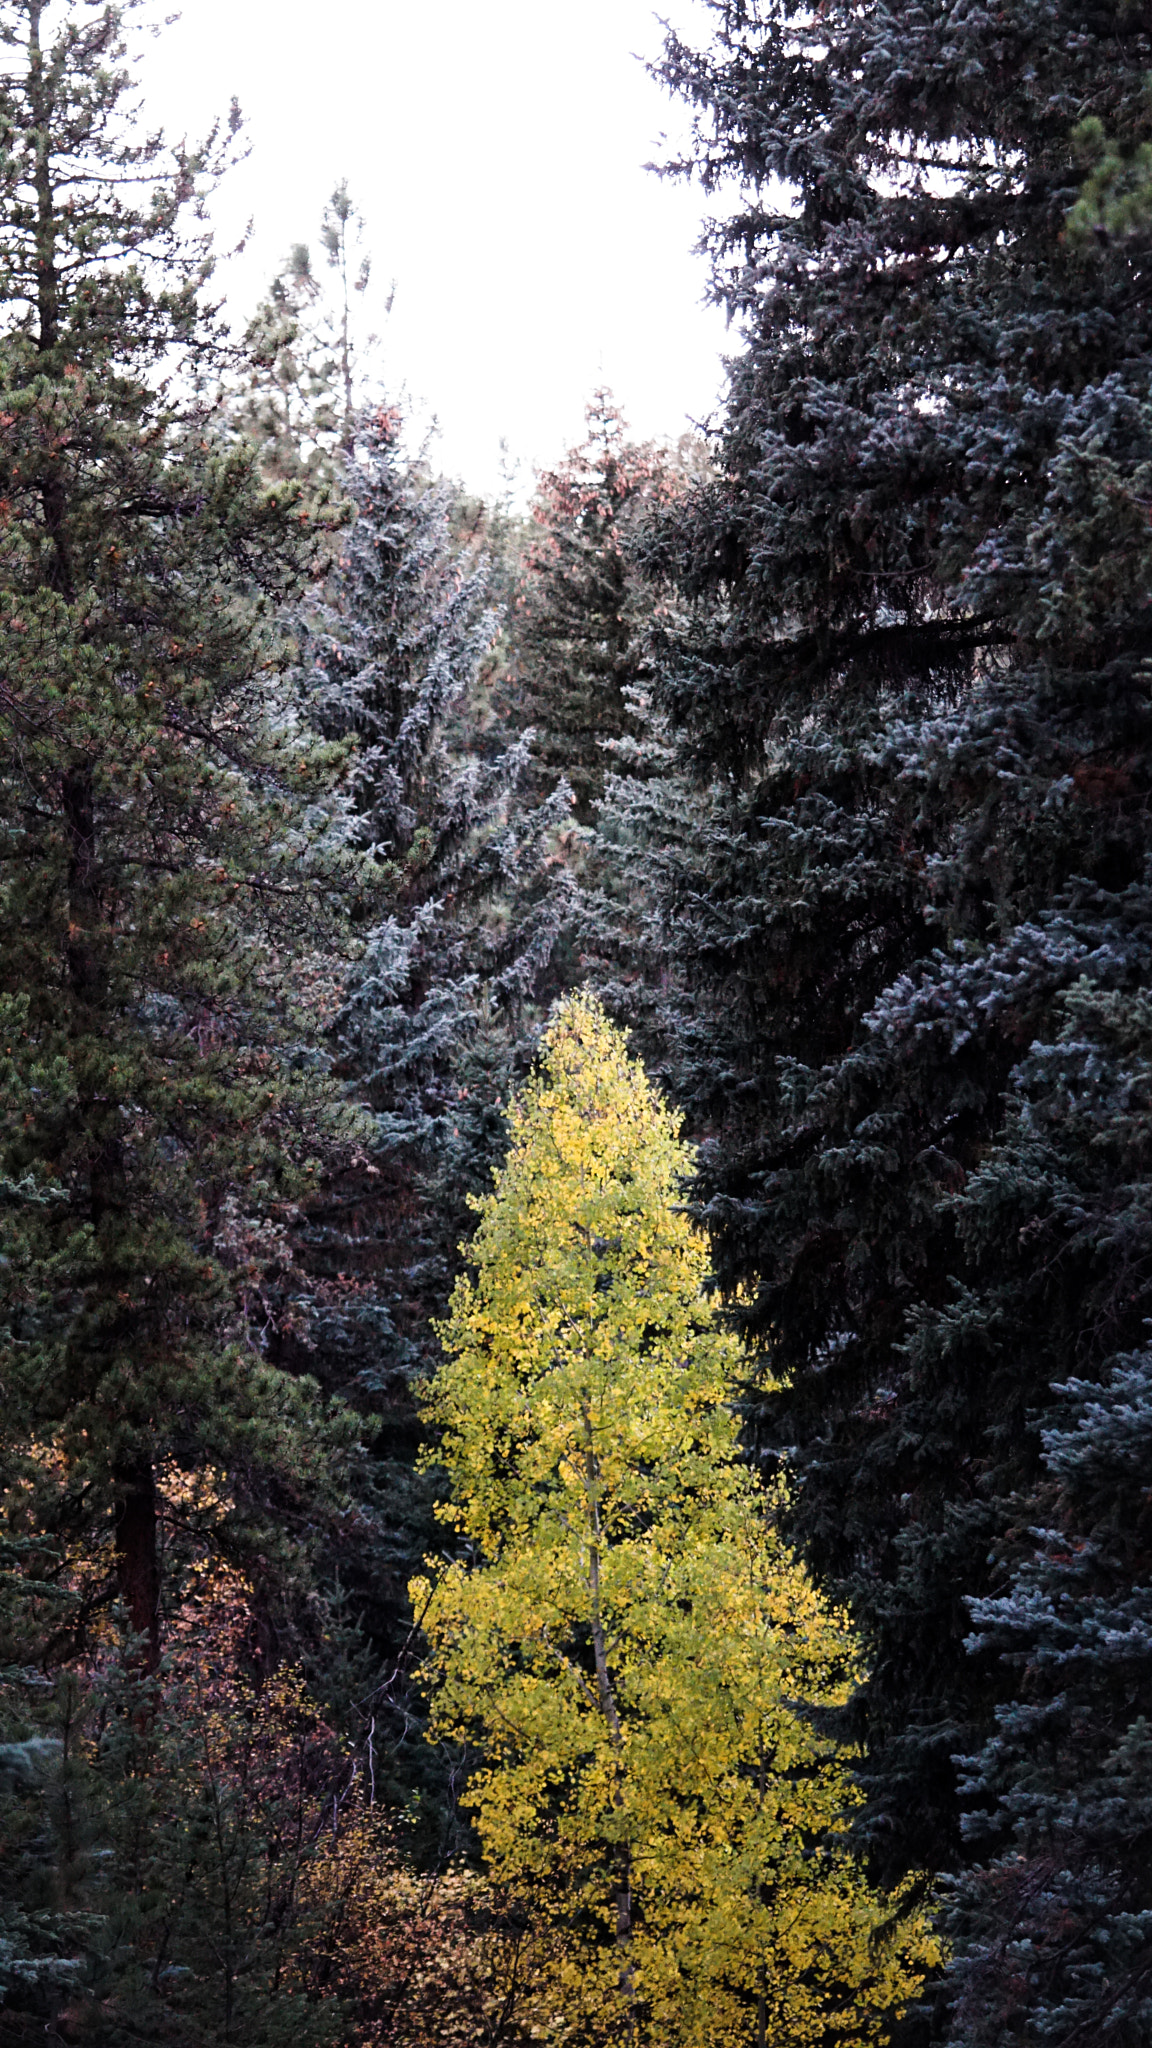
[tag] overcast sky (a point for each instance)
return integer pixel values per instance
(497, 150)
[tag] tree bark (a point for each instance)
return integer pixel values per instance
(133, 1478)
(137, 1565)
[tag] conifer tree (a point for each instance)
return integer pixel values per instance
(298, 399)
(903, 838)
(579, 611)
(166, 841)
(631, 1645)
(174, 862)
(341, 233)
(287, 407)
(1051, 1921)
(401, 654)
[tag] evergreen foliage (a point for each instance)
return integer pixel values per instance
(341, 235)
(902, 839)
(399, 657)
(1054, 1917)
(286, 405)
(580, 613)
(825, 752)
(297, 399)
(170, 835)
(166, 829)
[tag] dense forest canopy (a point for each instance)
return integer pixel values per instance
(574, 1099)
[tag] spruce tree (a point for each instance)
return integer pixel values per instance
(579, 610)
(401, 653)
(1053, 1922)
(903, 838)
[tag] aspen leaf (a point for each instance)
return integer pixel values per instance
(636, 1655)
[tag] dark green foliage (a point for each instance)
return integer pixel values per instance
(903, 830)
(1117, 195)
(580, 612)
(287, 884)
(287, 406)
(1055, 1920)
(170, 836)
(159, 1108)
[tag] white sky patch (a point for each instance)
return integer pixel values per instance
(496, 149)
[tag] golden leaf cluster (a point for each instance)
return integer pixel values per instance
(636, 1654)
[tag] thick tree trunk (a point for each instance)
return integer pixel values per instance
(77, 798)
(137, 1564)
(133, 1478)
(134, 1481)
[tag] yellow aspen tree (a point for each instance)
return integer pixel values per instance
(626, 1640)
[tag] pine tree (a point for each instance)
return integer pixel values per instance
(903, 836)
(341, 233)
(287, 406)
(630, 1644)
(159, 861)
(175, 864)
(297, 401)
